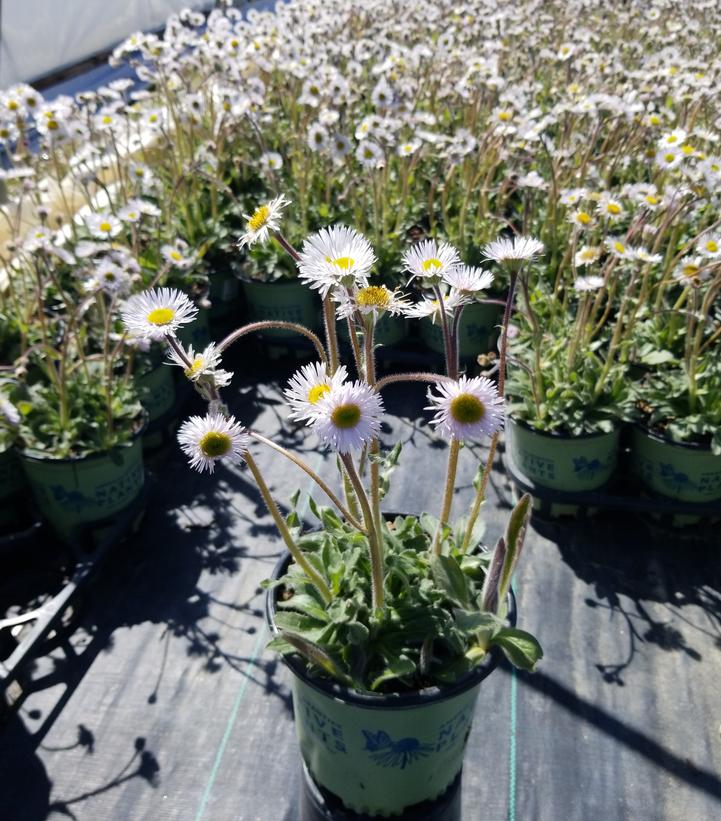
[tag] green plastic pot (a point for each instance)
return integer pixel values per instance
(381, 754)
(286, 301)
(390, 330)
(560, 461)
(686, 472)
(156, 391)
(477, 332)
(74, 495)
(12, 486)
(197, 333)
(224, 293)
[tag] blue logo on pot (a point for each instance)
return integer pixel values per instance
(73, 499)
(388, 753)
(674, 479)
(588, 468)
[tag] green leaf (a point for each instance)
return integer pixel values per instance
(301, 625)
(315, 655)
(520, 648)
(303, 603)
(397, 668)
(449, 577)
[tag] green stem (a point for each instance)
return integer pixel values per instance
(450, 487)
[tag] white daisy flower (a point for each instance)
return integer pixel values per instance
(430, 260)
(467, 409)
(103, 226)
(513, 250)
(308, 386)
(131, 211)
(644, 255)
(588, 283)
(710, 246)
(429, 307)
(205, 364)
(609, 207)
(340, 147)
(270, 161)
(373, 299)
(318, 137)
(467, 279)
(349, 416)
(668, 158)
(178, 254)
(407, 149)
(157, 313)
(691, 270)
(586, 255)
(111, 278)
(619, 248)
(370, 154)
(207, 439)
(581, 219)
(333, 256)
(262, 221)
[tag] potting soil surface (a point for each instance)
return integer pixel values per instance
(171, 707)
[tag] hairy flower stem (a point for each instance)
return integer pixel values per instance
(285, 533)
(419, 376)
(450, 487)
(331, 335)
(259, 327)
(481, 492)
(178, 348)
(370, 373)
(375, 548)
(313, 475)
(447, 340)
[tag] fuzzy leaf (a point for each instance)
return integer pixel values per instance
(519, 647)
(312, 653)
(397, 668)
(449, 577)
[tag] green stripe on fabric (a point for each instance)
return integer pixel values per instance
(512, 748)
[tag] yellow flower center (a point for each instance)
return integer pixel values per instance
(711, 246)
(620, 247)
(196, 365)
(654, 119)
(671, 139)
(12, 105)
(259, 218)
(317, 392)
(690, 270)
(346, 416)
(583, 217)
(161, 316)
(53, 125)
(505, 116)
(374, 296)
(687, 149)
(651, 200)
(344, 263)
(215, 444)
(153, 118)
(467, 409)
(588, 254)
(613, 208)
(105, 226)
(431, 263)
(107, 119)
(669, 157)
(176, 255)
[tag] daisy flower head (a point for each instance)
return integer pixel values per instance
(609, 207)
(467, 409)
(156, 314)
(580, 219)
(337, 255)
(710, 246)
(619, 249)
(429, 307)
(103, 226)
(262, 221)
(691, 271)
(208, 439)
(271, 161)
(514, 251)
(430, 260)
(588, 283)
(178, 254)
(587, 255)
(202, 365)
(349, 416)
(373, 299)
(467, 279)
(308, 386)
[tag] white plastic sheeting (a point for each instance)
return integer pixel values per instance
(39, 36)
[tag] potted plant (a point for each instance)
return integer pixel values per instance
(389, 623)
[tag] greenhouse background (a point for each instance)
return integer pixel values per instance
(360, 410)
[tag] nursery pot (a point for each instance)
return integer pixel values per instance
(12, 485)
(687, 472)
(224, 293)
(197, 333)
(477, 331)
(382, 754)
(156, 391)
(559, 461)
(75, 494)
(285, 301)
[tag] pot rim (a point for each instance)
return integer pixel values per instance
(659, 437)
(383, 701)
(562, 435)
(68, 460)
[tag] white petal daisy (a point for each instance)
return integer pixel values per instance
(157, 313)
(430, 260)
(587, 255)
(431, 307)
(373, 299)
(334, 256)
(467, 279)
(349, 416)
(103, 226)
(468, 408)
(710, 246)
(308, 386)
(515, 249)
(588, 283)
(205, 364)
(262, 221)
(206, 439)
